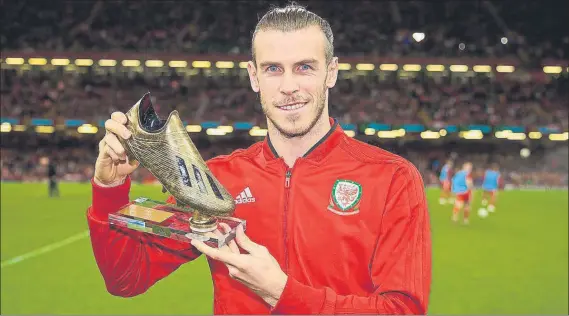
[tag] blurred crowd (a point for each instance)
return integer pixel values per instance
(451, 28)
(546, 168)
(528, 31)
(432, 101)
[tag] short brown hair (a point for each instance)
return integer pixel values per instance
(291, 18)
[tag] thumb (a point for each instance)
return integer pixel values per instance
(244, 242)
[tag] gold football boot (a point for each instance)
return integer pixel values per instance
(166, 150)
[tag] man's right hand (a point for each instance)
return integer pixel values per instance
(113, 166)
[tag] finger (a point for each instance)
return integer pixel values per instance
(244, 242)
(115, 127)
(226, 257)
(220, 236)
(231, 244)
(113, 142)
(233, 272)
(111, 153)
(119, 117)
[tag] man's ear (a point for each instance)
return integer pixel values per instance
(332, 76)
(253, 76)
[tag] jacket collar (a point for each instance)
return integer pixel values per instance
(317, 152)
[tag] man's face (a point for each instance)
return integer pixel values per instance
(468, 167)
(292, 78)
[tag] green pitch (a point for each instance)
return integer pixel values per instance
(513, 262)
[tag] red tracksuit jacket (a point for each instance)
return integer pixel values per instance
(372, 258)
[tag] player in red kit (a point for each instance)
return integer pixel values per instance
(336, 226)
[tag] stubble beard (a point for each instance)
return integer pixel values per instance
(295, 131)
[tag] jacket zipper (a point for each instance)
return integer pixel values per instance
(287, 191)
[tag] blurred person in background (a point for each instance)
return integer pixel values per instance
(490, 186)
(52, 177)
(462, 185)
(444, 179)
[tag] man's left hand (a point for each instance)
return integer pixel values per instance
(258, 269)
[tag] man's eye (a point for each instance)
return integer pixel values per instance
(272, 68)
(305, 67)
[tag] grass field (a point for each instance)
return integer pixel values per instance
(513, 262)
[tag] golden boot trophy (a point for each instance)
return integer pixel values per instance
(203, 205)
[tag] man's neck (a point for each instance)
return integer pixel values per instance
(292, 148)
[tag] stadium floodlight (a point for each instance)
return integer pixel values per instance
(552, 69)
(19, 128)
(503, 134)
(443, 132)
(215, 132)
(14, 61)
(435, 68)
(350, 133)
(387, 134)
(418, 37)
(391, 134)
(430, 135)
(344, 66)
(472, 134)
(388, 67)
(87, 129)
(226, 128)
(400, 132)
(60, 61)
(43, 129)
(201, 64)
(517, 136)
(178, 63)
(504, 40)
(107, 62)
(482, 68)
(5, 127)
(505, 68)
(154, 63)
(534, 135)
(458, 68)
(243, 64)
(193, 128)
(412, 67)
(256, 131)
(365, 67)
(37, 61)
(83, 62)
(559, 137)
(130, 63)
(224, 64)
(369, 131)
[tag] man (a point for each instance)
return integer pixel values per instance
(444, 179)
(52, 178)
(462, 189)
(490, 185)
(337, 226)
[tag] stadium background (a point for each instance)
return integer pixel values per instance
(478, 81)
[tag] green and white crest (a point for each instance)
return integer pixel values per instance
(346, 195)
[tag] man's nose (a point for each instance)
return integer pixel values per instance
(288, 84)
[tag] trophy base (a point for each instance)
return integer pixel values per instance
(203, 223)
(175, 222)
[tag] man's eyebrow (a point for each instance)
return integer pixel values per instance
(274, 63)
(307, 61)
(269, 63)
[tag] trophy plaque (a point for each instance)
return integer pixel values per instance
(203, 206)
